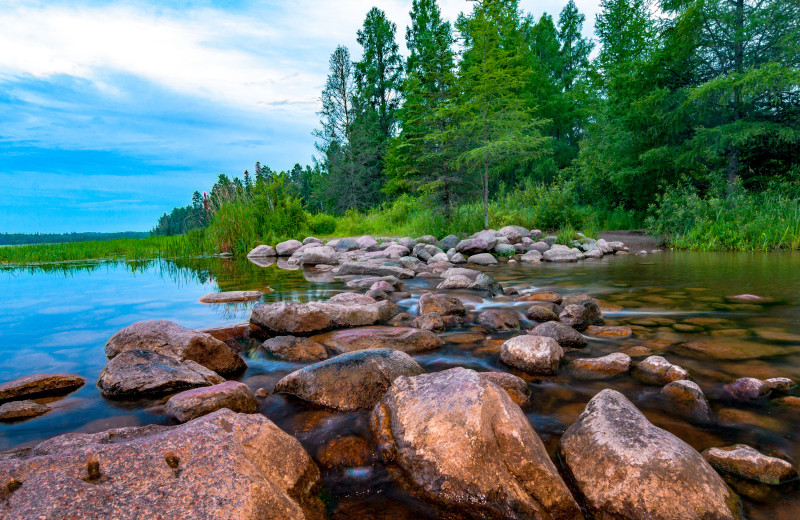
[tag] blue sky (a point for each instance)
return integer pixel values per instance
(112, 113)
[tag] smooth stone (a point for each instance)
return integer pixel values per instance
(465, 445)
(312, 240)
(442, 304)
(288, 247)
(687, 400)
(627, 468)
(194, 403)
(513, 234)
(353, 268)
(502, 250)
(746, 462)
(540, 296)
(745, 389)
(541, 314)
(290, 318)
(604, 367)
(231, 297)
(220, 466)
(472, 274)
(458, 258)
(482, 259)
(533, 354)
(455, 282)
(17, 410)
(142, 373)
(344, 245)
(262, 251)
(405, 339)
(484, 282)
(565, 335)
(581, 315)
(325, 255)
(449, 242)
(516, 387)
(780, 384)
(609, 332)
(351, 381)
(366, 242)
(355, 310)
(170, 339)
(655, 370)
(474, 246)
(499, 320)
(435, 322)
(560, 253)
(295, 348)
(40, 385)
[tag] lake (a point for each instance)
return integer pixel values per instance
(57, 319)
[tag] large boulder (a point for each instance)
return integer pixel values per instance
(626, 468)
(262, 251)
(217, 467)
(170, 339)
(405, 339)
(604, 367)
(191, 404)
(142, 373)
(686, 400)
(474, 246)
(288, 247)
(319, 255)
(746, 462)
(366, 243)
(482, 259)
(559, 253)
(533, 256)
(532, 354)
(352, 381)
(449, 242)
(565, 335)
(441, 303)
(499, 320)
(290, 318)
(484, 282)
(295, 348)
(582, 314)
(465, 445)
(513, 234)
(356, 310)
(472, 274)
(40, 385)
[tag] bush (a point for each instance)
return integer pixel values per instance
(322, 224)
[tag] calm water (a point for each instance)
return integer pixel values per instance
(58, 321)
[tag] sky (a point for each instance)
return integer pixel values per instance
(114, 112)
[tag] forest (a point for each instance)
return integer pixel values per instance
(679, 115)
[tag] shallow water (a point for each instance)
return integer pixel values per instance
(58, 319)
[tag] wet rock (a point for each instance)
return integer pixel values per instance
(288, 247)
(581, 315)
(627, 468)
(533, 256)
(593, 253)
(472, 274)
(499, 320)
(510, 291)
(745, 389)
(484, 282)
(142, 373)
(540, 296)
(746, 462)
(374, 269)
(780, 384)
(686, 400)
(231, 297)
(559, 253)
(40, 385)
(533, 354)
(728, 350)
(541, 313)
(442, 304)
(368, 282)
(170, 339)
(455, 282)
(294, 348)
(18, 410)
(262, 251)
(352, 381)
(221, 466)
(474, 246)
(482, 259)
(565, 335)
(351, 451)
(194, 403)
(354, 310)
(319, 255)
(465, 445)
(290, 318)
(516, 387)
(604, 367)
(405, 339)
(609, 332)
(433, 321)
(655, 370)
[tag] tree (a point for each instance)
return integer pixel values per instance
(575, 49)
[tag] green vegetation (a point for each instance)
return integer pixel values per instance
(16, 239)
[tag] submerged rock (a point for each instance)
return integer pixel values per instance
(194, 403)
(465, 445)
(609, 332)
(532, 354)
(18, 410)
(626, 468)
(541, 313)
(780, 384)
(540, 296)
(604, 367)
(170, 339)
(294, 348)
(217, 467)
(565, 335)
(655, 370)
(404, 339)
(499, 320)
(687, 400)
(40, 385)
(352, 381)
(231, 297)
(746, 462)
(745, 389)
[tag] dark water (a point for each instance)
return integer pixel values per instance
(58, 319)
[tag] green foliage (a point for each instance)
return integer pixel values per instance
(322, 224)
(15, 239)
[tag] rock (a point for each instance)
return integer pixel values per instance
(609, 332)
(405, 339)
(428, 239)
(484, 282)
(514, 234)
(498, 320)
(194, 403)
(290, 318)
(312, 240)
(351, 381)
(510, 291)
(604, 367)
(541, 313)
(170, 339)
(482, 259)
(449, 242)
(382, 285)
(435, 322)
(559, 253)
(458, 258)
(438, 258)
(465, 445)
(516, 387)
(221, 466)
(745, 389)
(40, 385)
(565, 335)
(288, 248)
(142, 373)
(231, 297)
(540, 296)
(539, 246)
(293, 348)
(780, 384)
(748, 463)
(442, 304)
(533, 354)
(355, 310)
(686, 400)
(350, 451)
(472, 274)
(367, 282)
(503, 250)
(655, 370)
(344, 245)
(593, 253)
(317, 255)
(352, 268)
(474, 246)
(581, 315)
(366, 242)
(455, 282)
(262, 251)
(531, 257)
(17, 410)
(626, 468)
